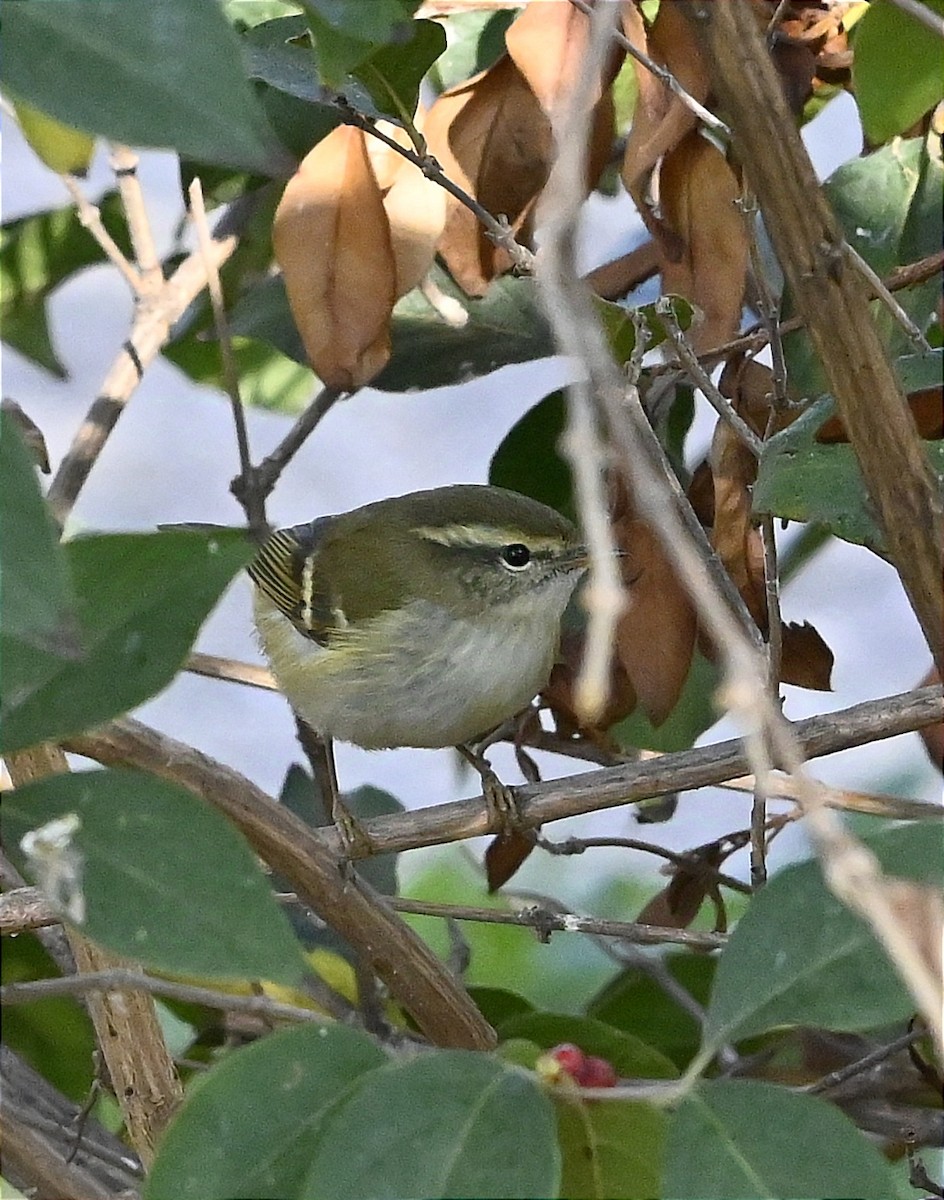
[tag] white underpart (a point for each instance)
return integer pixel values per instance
(467, 675)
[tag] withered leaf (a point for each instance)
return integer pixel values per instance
(332, 241)
(548, 43)
(416, 210)
(692, 882)
(655, 637)
(505, 854)
(660, 119)
(707, 259)
(805, 660)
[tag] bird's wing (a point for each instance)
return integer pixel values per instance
(286, 570)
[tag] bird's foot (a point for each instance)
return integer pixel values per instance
(355, 840)
(500, 799)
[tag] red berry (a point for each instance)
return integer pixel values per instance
(597, 1072)
(570, 1057)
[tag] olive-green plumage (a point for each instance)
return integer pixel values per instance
(421, 620)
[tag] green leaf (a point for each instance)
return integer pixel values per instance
(612, 1150)
(635, 1002)
(155, 874)
(626, 1053)
(168, 74)
(803, 480)
(798, 956)
(505, 326)
(247, 1129)
(394, 73)
(60, 147)
(529, 461)
(462, 1123)
(498, 1004)
(267, 379)
(476, 40)
(140, 599)
(734, 1139)
(889, 204)
(35, 587)
(695, 712)
(37, 254)
(347, 32)
(896, 71)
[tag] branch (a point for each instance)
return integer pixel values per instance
(129, 743)
(833, 298)
(149, 332)
(313, 864)
(128, 1032)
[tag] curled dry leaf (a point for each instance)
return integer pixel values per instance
(416, 210)
(806, 661)
(494, 140)
(385, 161)
(655, 638)
(505, 854)
(660, 119)
(693, 881)
(548, 43)
(559, 694)
(332, 240)
(705, 258)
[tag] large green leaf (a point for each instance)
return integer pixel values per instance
(635, 1002)
(140, 600)
(463, 1124)
(475, 41)
(505, 326)
(394, 73)
(799, 956)
(734, 1139)
(346, 33)
(611, 1150)
(889, 204)
(896, 70)
(247, 1129)
(37, 254)
(803, 480)
(153, 873)
(168, 74)
(36, 598)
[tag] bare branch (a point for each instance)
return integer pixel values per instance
(90, 218)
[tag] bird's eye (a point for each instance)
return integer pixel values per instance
(516, 556)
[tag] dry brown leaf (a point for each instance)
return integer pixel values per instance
(548, 43)
(505, 854)
(614, 279)
(492, 138)
(385, 161)
(805, 659)
(927, 408)
(733, 535)
(655, 637)
(416, 210)
(332, 240)
(706, 262)
(558, 696)
(692, 882)
(660, 119)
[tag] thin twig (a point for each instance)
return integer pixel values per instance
(603, 598)
(131, 743)
(545, 922)
(266, 475)
(497, 229)
(123, 979)
(251, 499)
(232, 670)
(575, 845)
(90, 218)
(124, 163)
(148, 335)
(767, 307)
(700, 377)
(664, 76)
(835, 1078)
(928, 18)
(920, 342)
